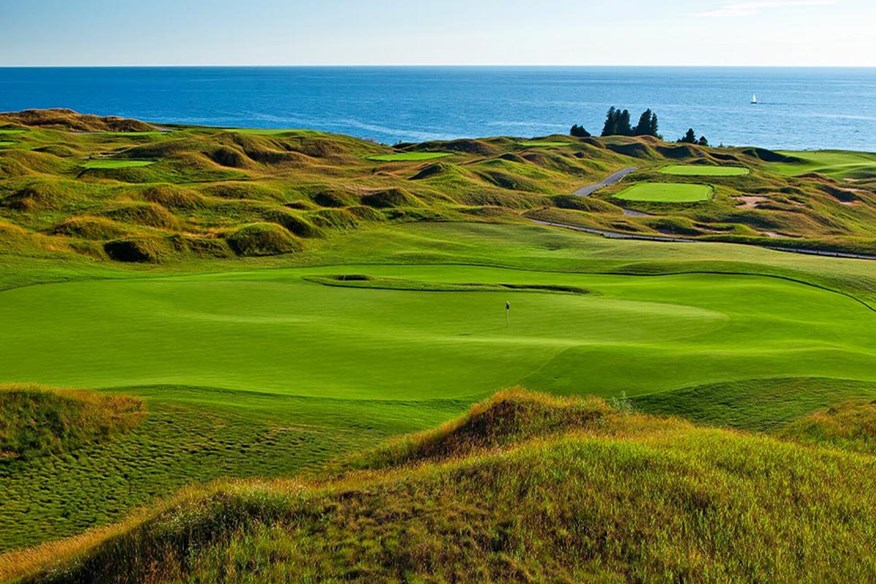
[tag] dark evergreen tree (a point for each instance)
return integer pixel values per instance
(624, 124)
(702, 141)
(689, 138)
(579, 131)
(643, 128)
(611, 119)
(653, 126)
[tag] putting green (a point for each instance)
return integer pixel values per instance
(275, 331)
(409, 156)
(666, 193)
(702, 170)
(114, 164)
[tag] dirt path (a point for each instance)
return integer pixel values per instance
(613, 179)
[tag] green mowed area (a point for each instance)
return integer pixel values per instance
(409, 156)
(838, 164)
(265, 367)
(276, 331)
(666, 193)
(115, 164)
(4, 143)
(703, 170)
(11, 132)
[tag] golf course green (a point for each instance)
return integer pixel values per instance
(703, 170)
(666, 193)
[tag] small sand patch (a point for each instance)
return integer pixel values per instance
(750, 202)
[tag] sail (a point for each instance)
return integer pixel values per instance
(754, 98)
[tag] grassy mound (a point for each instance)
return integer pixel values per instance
(582, 492)
(36, 422)
(66, 119)
(409, 156)
(850, 426)
(263, 239)
(92, 228)
(138, 250)
(116, 164)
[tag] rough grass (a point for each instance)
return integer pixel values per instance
(848, 426)
(263, 239)
(666, 193)
(587, 493)
(409, 156)
(116, 164)
(36, 422)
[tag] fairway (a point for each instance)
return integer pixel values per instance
(666, 193)
(409, 156)
(7, 143)
(278, 332)
(114, 164)
(834, 163)
(702, 170)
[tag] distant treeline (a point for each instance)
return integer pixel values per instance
(618, 122)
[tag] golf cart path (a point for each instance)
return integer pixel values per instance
(613, 179)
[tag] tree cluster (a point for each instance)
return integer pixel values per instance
(619, 123)
(690, 137)
(579, 132)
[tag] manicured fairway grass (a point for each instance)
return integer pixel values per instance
(10, 132)
(666, 193)
(7, 143)
(115, 164)
(543, 144)
(833, 163)
(409, 156)
(703, 170)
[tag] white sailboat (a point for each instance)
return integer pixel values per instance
(754, 99)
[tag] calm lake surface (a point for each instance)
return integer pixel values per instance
(799, 108)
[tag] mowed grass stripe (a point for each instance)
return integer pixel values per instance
(703, 170)
(275, 331)
(666, 193)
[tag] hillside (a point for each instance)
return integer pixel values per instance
(37, 422)
(524, 488)
(128, 191)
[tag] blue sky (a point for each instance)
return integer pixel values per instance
(437, 32)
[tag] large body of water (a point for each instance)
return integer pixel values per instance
(799, 108)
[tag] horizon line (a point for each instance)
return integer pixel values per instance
(426, 66)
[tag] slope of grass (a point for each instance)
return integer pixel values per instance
(849, 426)
(834, 163)
(666, 193)
(36, 422)
(409, 156)
(114, 164)
(587, 493)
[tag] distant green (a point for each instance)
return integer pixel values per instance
(834, 163)
(703, 170)
(666, 193)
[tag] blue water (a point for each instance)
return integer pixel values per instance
(799, 108)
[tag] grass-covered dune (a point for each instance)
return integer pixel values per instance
(523, 488)
(205, 185)
(36, 422)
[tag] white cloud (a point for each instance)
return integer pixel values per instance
(754, 7)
